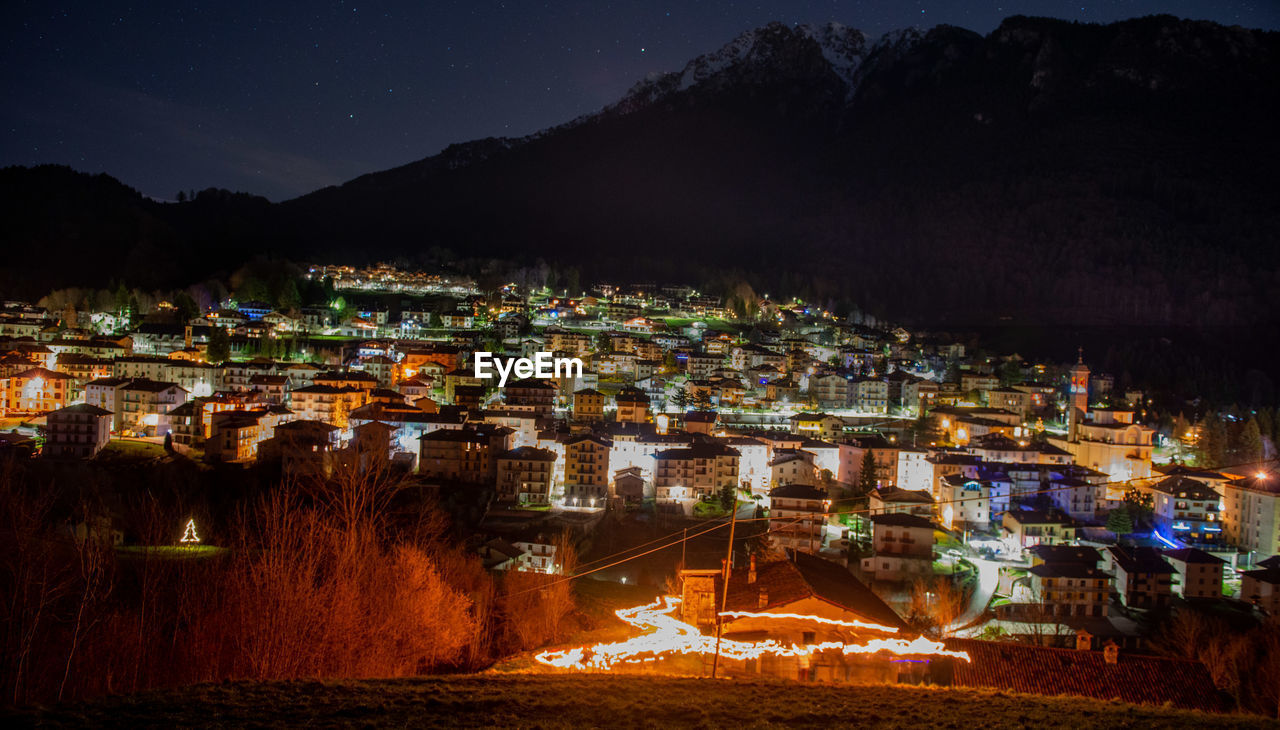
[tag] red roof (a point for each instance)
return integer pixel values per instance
(1134, 678)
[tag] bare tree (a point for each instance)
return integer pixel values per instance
(536, 604)
(94, 558)
(34, 579)
(935, 604)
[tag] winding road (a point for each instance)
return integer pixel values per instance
(988, 580)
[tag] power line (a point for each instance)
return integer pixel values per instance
(575, 576)
(813, 515)
(668, 536)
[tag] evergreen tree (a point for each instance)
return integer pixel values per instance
(1181, 426)
(135, 315)
(121, 300)
(1010, 373)
(953, 372)
(219, 346)
(186, 307)
(728, 497)
(570, 282)
(867, 472)
(702, 400)
(1249, 448)
(1214, 442)
(290, 298)
(1266, 423)
(681, 399)
(1120, 521)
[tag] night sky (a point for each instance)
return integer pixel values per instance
(279, 98)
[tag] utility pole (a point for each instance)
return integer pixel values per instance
(724, 595)
(684, 544)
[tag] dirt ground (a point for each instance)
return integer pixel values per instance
(513, 700)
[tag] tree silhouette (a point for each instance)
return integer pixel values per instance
(1250, 446)
(681, 399)
(1119, 521)
(219, 349)
(867, 472)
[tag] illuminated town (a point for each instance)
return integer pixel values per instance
(919, 374)
(886, 481)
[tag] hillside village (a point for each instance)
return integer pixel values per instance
(1036, 494)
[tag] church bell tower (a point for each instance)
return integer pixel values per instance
(1078, 396)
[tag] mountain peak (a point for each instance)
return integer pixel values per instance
(769, 54)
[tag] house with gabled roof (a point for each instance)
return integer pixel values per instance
(817, 425)
(1196, 573)
(526, 474)
(1070, 589)
(684, 475)
(903, 546)
(1143, 578)
(304, 448)
(78, 431)
(884, 500)
(1024, 528)
(775, 598)
(1186, 510)
(1261, 587)
(586, 470)
(797, 516)
(35, 390)
(143, 406)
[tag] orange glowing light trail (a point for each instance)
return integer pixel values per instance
(669, 636)
(815, 619)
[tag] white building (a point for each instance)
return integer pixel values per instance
(1251, 513)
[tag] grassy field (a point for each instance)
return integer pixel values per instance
(711, 323)
(489, 700)
(170, 552)
(129, 450)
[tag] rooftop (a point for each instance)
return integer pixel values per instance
(1039, 670)
(901, 519)
(1140, 559)
(798, 491)
(1193, 555)
(1082, 555)
(804, 576)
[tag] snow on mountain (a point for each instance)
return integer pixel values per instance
(759, 53)
(705, 66)
(843, 49)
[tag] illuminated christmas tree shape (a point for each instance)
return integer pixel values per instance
(190, 535)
